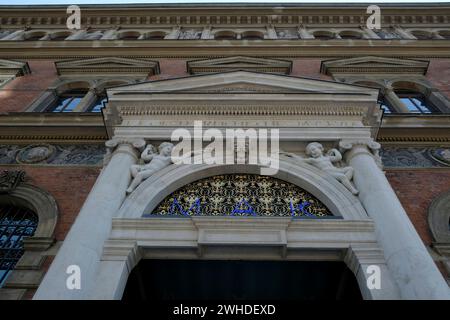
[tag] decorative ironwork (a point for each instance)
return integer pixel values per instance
(9, 180)
(15, 224)
(241, 195)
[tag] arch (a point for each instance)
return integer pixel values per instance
(439, 218)
(410, 85)
(225, 35)
(350, 34)
(252, 35)
(60, 35)
(155, 35)
(129, 35)
(37, 200)
(73, 85)
(326, 189)
(34, 35)
(323, 35)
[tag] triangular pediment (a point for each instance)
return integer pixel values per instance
(239, 63)
(241, 81)
(373, 64)
(13, 68)
(108, 66)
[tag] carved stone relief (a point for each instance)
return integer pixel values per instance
(52, 154)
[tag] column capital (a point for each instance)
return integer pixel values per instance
(351, 148)
(133, 146)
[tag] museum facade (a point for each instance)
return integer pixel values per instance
(339, 189)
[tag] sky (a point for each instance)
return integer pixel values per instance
(36, 2)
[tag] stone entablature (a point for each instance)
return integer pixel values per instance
(206, 14)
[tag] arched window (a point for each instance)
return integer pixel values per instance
(98, 104)
(155, 35)
(129, 35)
(252, 35)
(415, 101)
(68, 100)
(15, 224)
(225, 35)
(323, 35)
(35, 35)
(353, 35)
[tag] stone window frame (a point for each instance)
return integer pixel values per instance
(388, 85)
(27, 273)
(95, 90)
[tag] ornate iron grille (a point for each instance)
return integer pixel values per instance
(242, 195)
(15, 223)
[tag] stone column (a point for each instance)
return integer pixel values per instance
(83, 245)
(409, 262)
(395, 101)
(88, 100)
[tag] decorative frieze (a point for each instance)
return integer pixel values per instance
(411, 157)
(46, 154)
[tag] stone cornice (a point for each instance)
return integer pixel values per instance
(107, 66)
(223, 14)
(215, 49)
(27, 126)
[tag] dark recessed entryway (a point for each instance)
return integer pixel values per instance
(217, 279)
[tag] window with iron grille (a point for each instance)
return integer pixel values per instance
(15, 224)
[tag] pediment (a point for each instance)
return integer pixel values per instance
(108, 66)
(239, 63)
(372, 64)
(241, 82)
(13, 68)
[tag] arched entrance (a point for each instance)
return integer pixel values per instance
(339, 236)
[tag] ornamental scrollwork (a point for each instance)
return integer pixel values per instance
(242, 195)
(9, 180)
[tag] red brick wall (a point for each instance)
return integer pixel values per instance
(439, 74)
(68, 185)
(416, 189)
(19, 93)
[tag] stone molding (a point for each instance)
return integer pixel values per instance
(107, 66)
(373, 64)
(263, 238)
(239, 63)
(14, 68)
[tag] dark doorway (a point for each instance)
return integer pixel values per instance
(217, 279)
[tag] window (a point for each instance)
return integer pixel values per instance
(98, 105)
(416, 102)
(15, 224)
(129, 35)
(323, 35)
(225, 35)
(68, 101)
(385, 105)
(34, 36)
(252, 35)
(350, 35)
